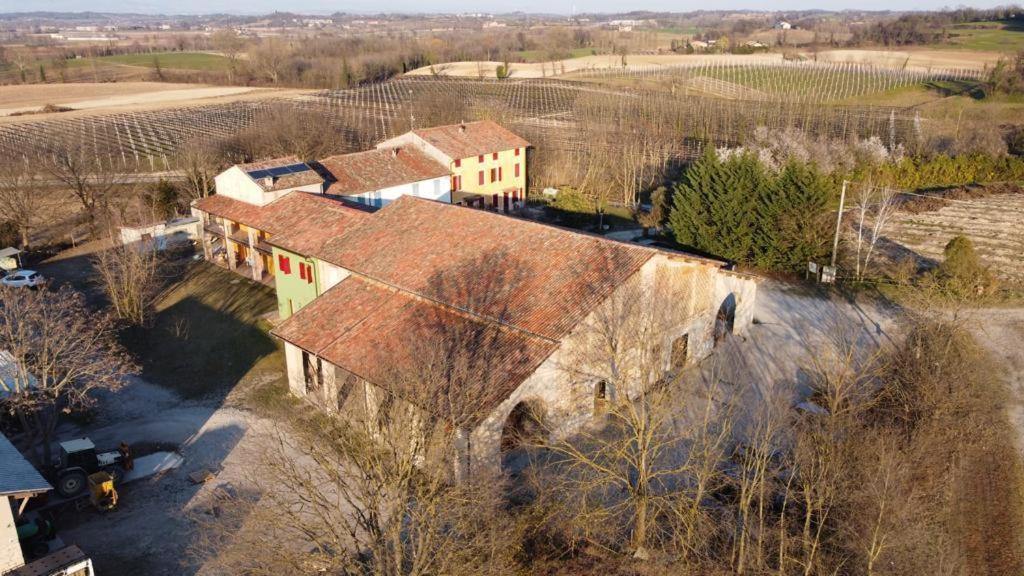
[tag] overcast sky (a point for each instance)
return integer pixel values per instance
(536, 6)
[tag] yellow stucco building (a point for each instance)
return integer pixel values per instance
(487, 162)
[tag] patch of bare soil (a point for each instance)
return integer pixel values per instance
(990, 216)
(89, 98)
(917, 58)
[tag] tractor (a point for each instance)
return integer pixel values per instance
(78, 459)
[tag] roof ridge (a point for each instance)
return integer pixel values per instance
(573, 231)
(457, 310)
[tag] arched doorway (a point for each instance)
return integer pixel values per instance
(600, 398)
(523, 432)
(523, 427)
(726, 318)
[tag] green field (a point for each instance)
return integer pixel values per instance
(175, 60)
(989, 36)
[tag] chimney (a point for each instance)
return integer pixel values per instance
(268, 181)
(462, 126)
(394, 152)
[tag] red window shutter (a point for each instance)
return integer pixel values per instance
(481, 177)
(517, 170)
(302, 271)
(494, 174)
(517, 151)
(309, 274)
(458, 162)
(494, 156)
(480, 158)
(284, 264)
(500, 177)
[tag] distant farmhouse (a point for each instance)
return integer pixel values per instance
(384, 258)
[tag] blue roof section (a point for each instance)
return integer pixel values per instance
(18, 475)
(279, 170)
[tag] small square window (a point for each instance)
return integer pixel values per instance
(458, 162)
(494, 156)
(517, 151)
(480, 158)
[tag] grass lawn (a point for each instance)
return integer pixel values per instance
(208, 333)
(173, 60)
(545, 56)
(1002, 36)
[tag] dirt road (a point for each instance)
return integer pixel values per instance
(150, 532)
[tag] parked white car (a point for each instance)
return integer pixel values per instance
(23, 278)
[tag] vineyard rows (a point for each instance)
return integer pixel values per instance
(552, 111)
(792, 80)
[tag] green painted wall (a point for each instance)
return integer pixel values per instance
(293, 292)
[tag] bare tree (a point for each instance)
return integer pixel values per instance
(200, 165)
(229, 43)
(60, 352)
(271, 59)
(130, 276)
(652, 456)
(88, 180)
(21, 201)
(874, 207)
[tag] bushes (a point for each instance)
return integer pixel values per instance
(961, 273)
(943, 170)
(736, 209)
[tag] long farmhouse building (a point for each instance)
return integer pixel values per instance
(385, 257)
(476, 163)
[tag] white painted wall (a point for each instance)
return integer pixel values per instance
(330, 275)
(180, 229)
(296, 379)
(568, 400)
(433, 189)
(235, 183)
(10, 549)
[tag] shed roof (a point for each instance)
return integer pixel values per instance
(17, 475)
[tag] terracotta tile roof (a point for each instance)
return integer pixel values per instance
(537, 278)
(471, 138)
(318, 227)
(377, 332)
(351, 174)
(303, 221)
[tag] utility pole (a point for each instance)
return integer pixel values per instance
(839, 220)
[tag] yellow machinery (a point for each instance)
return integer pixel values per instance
(101, 491)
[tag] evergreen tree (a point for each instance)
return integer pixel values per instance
(793, 220)
(713, 206)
